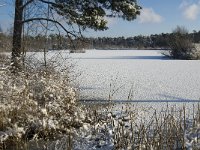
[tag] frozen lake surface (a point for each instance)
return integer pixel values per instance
(144, 77)
(136, 76)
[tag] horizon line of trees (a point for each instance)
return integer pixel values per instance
(152, 41)
(57, 42)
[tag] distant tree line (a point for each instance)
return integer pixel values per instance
(160, 41)
(40, 42)
(57, 42)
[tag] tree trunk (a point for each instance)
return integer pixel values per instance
(17, 33)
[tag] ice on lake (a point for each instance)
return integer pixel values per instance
(146, 74)
(139, 76)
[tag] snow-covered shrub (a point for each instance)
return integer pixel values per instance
(192, 137)
(125, 129)
(37, 103)
(181, 45)
(3, 60)
(197, 52)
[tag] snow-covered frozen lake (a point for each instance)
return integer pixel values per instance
(143, 76)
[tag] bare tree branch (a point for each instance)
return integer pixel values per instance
(48, 2)
(51, 20)
(27, 3)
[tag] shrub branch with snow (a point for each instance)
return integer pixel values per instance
(35, 104)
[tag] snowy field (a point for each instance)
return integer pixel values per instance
(144, 77)
(137, 76)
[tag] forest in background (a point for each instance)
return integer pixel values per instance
(58, 42)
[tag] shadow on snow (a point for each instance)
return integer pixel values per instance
(141, 101)
(128, 57)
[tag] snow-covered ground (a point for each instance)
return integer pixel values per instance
(150, 76)
(144, 77)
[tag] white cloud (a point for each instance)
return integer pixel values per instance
(149, 16)
(184, 4)
(190, 11)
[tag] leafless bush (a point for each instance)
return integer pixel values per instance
(171, 128)
(181, 45)
(36, 104)
(197, 52)
(4, 61)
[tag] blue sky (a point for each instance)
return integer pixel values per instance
(157, 16)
